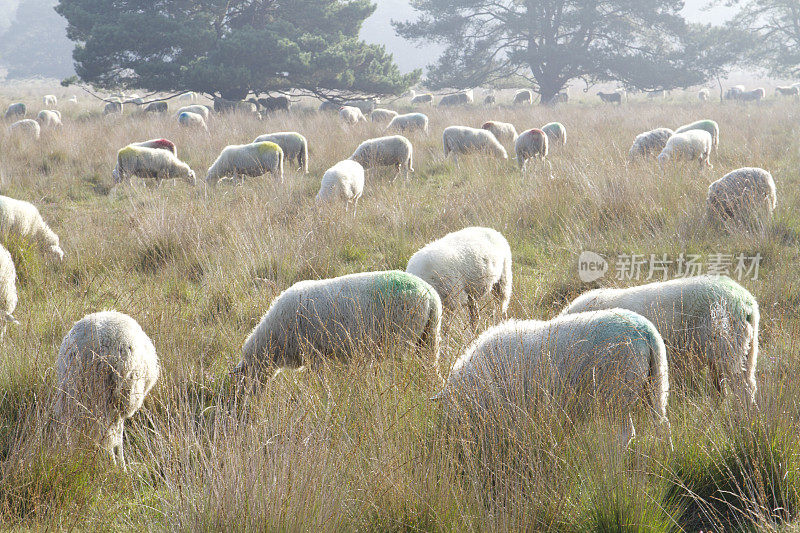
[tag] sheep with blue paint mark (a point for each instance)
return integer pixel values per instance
(150, 163)
(294, 146)
(196, 108)
(187, 119)
(255, 159)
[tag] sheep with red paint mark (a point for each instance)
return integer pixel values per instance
(161, 144)
(152, 163)
(531, 144)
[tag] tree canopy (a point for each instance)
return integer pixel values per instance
(229, 48)
(776, 26)
(640, 43)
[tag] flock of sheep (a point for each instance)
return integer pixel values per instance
(618, 345)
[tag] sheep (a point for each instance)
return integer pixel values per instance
(50, 100)
(556, 133)
(366, 106)
(294, 146)
(703, 94)
(343, 181)
(612, 358)
(393, 150)
(505, 132)
(253, 159)
(189, 96)
(610, 98)
(706, 125)
(530, 144)
(72, 99)
(460, 140)
(524, 97)
(49, 119)
(740, 194)
(275, 103)
(329, 106)
(756, 95)
(733, 93)
(188, 119)
(409, 122)
(787, 91)
(342, 317)
(21, 220)
(660, 93)
(649, 142)
(426, 98)
(490, 99)
(460, 98)
(151, 163)
(464, 267)
(382, 115)
(559, 98)
(106, 366)
(351, 115)
(112, 108)
(201, 110)
(221, 105)
(156, 107)
(17, 109)
(162, 144)
(26, 126)
(8, 290)
(707, 320)
(692, 145)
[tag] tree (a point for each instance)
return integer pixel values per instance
(715, 50)
(229, 48)
(552, 42)
(776, 24)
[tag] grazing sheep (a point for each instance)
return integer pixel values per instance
(703, 94)
(426, 98)
(272, 104)
(733, 93)
(162, 144)
(294, 146)
(254, 159)
(351, 115)
(222, 105)
(189, 96)
(156, 107)
(340, 317)
(16, 110)
(394, 150)
(705, 125)
(490, 99)
(756, 95)
(201, 110)
(366, 106)
(187, 119)
(462, 140)
(531, 144)
(344, 181)
(112, 108)
(382, 115)
(560, 98)
(692, 145)
(524, 96)
(741, 194)
(409, 122)
(49, 119)
(464, 267)
(556, 133)
(505, 132)
(153, 163)
(72, 99)
(50, 100)
(8, 289)
(461, 98)
(650, 142)
(707, 320)
(610, 98)
(21, 219)
(106, 366)
(329, 106)
(614, 358)
(787, 91)
(27, 127)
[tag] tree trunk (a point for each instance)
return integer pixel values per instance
(549, 87)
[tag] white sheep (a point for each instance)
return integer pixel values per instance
(462, 140)
(464, 267)
(189, 96)
(17, 109)
(556, 133)
(523, 96)
(21, 219)
(741, 194)
(153, 163)
(650, 142)
(408, 123)
(711, 320)
(27, 127)
(161, 144)
(351, 115)
(72, 99)
(505, 132)
(425, 98)
(196, 108)
(460, 98)
(756, 95)
(49, 119)
(344, 181)
(294, 146)
(113, 108)
(692, 145)
(531, 144)
(50, 100)
(341, 317)
(106, 366)
(255, 159)
(703, 94)
(615, 359)
(187, 119)
(706, 125)
(382, 115)
(394, 150)
(8, 289)
(787, 91)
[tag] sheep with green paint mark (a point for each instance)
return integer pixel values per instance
(150, 163)
(22, 220)
(255, 159)
(556, 133)
(705, 125)
(391, 151)
(706, 320)
(649, 143)
(364, 313)
(294, 146)
(614, 358)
